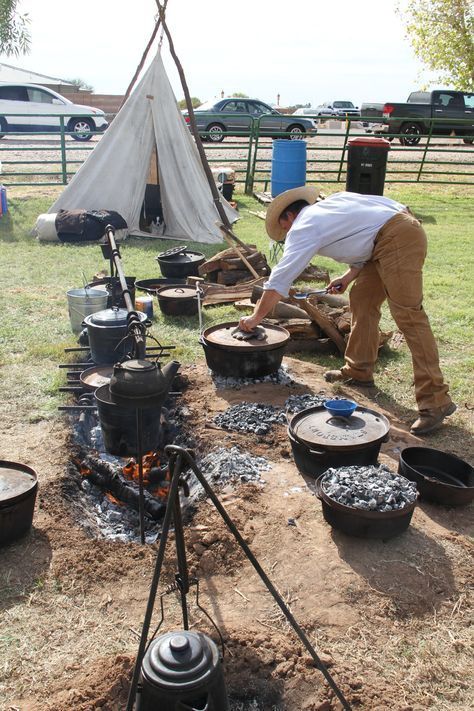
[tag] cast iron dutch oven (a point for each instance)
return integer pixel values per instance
(18, 487)
(177, 300)
(107, 332)
(320, 441)
(114, 289)
(439, 477)
(180, 262)
(361, 523)
(243, 359)
(151, 286)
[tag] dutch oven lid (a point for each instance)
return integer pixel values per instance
(317, 429)
(97, 376)
(221, 337)
(16, 480)
(180, 658)
(177, 292)
(111, 317)
(182, 257)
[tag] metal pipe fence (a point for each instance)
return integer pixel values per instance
(43, 158)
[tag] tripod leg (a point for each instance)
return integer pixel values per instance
(183, 575)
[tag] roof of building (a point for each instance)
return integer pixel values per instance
(16, 74)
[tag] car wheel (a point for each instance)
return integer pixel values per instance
(216, 132)
(3, 127)
(413, 133)
(295, 133)
(82, 129)
(468, 141)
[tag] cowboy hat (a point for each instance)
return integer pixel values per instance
(280, 203)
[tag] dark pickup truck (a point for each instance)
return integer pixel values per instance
(414, 118)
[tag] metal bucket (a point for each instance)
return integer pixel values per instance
(82, 303)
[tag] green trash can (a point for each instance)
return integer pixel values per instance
(366, 165)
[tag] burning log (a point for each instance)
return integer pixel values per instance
(111, 479)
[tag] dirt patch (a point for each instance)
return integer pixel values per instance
(391, 618)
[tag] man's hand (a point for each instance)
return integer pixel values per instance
(248, 323)
(340, 284)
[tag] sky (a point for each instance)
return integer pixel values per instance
(309, 51)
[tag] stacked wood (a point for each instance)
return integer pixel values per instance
(219, 294)
(232, 266)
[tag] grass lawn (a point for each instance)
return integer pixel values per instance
(35, 278)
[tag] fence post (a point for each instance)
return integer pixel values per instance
(425, 151)
(255, 134)
(63, 151)
(248, 175)
(348, 126)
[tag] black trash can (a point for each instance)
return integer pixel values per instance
(366, 165)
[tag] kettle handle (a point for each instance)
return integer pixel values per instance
(181, 706)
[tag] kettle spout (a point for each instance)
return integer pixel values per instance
(169, 371)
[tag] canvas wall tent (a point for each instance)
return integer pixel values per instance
(149, 137)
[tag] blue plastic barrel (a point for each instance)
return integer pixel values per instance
(288, 165)
(3, 199)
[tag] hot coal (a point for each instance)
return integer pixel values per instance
(372, 488)
(227, 466)
(281, 377)
(251, 417)
(296, 403)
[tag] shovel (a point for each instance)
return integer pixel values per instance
(311, 292)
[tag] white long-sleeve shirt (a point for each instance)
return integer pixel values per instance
(343, 227)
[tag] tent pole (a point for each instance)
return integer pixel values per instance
(142, 61)
(226, 226)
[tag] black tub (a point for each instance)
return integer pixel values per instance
(439, 477)
(18, 487)
(108, 335)
(361, 523)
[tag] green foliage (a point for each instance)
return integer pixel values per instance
(14, 29)
(441, 33)
(81, 84)
(194, 101)
(239, 95)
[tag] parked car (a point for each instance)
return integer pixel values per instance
(41, 104)
(337, 109)
(413, 118)
(304, 112)
(234, 117)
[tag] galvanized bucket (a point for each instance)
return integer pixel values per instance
(82, 303)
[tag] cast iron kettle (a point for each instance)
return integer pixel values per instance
(182, 671)
(141, 383)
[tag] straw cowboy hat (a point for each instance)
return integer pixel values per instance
(280, 203)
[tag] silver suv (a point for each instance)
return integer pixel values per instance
(40, 104)
(337, 109)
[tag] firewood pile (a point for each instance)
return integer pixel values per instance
(231, 266)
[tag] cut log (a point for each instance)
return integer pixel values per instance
(298, 328)
(233, 277)
(322, 321)
(220, 294)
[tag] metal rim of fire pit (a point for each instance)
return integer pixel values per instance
(316, 429)
(220, 336)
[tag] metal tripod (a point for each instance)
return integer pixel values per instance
(180, 460)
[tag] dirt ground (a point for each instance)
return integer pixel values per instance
(389, 618)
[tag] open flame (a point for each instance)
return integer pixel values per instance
(155, 476)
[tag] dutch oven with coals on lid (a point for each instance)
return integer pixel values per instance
(320, 441)
(253, 358)
(107, 333)
(180, 262)
(178, 300)
(363, 523)
(440, 477)
(18, 487)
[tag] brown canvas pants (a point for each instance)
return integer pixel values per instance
(394, 272)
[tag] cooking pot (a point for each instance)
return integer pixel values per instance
(18, 487)
(243, 359)
(361, 523)
(180, 262)
(439, 477)
(113, 288)
(107, 333)
(182, 671)
(151, 286)
(177, 300)
(320, 441)
(93, 378)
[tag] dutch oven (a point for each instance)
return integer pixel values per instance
(177, 300)
(243, 359)
(439, 477)
(180, 262)
(107, 333)
(361, 523)
(320, 441)
(18, 487)
(151, 286)
(93, 378)
(112, 286)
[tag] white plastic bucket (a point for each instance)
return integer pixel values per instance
(82, 303)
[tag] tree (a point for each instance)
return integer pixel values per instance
(441, 33)
(80, 84)
(194, 101)
(14, 29)
(239, 95)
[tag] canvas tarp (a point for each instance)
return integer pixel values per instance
(115, 174)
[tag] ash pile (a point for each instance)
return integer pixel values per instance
(223, 466)
(281, 377)
(297, 403)
(252, 417)
(371, 488)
